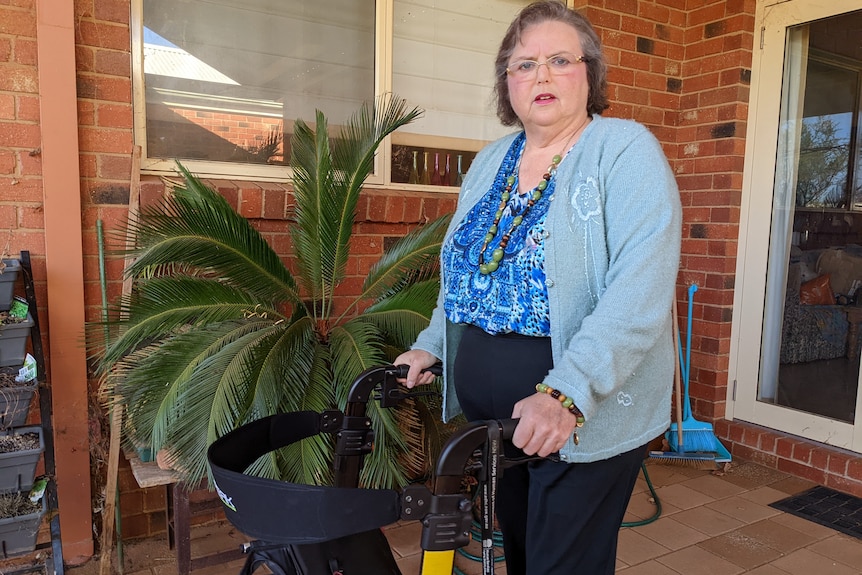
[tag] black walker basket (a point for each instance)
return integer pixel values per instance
(313, 530)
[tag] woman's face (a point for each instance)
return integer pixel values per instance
(552, 97)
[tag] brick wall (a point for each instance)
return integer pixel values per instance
(21, 222)
(682, 67)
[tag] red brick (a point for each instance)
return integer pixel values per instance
(802, 452)
(28, 108)
(784, 447)
(114, 167)
(17, 22)
(394, 208)
(843, 484)
(104, 140)
(114, 115)
(251, 203)
(274, 204)
(5, 50)
(412, 209)
(18, 79)
(103, 35)
(26, 52)
(801, 470)
(376, 208)
(854, 468)
(117, 12)
(366, 245)
(31, 218)
(838, 462)
(8, 217)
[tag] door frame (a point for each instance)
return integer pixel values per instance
(772, 21)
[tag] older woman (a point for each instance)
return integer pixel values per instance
(558, 273)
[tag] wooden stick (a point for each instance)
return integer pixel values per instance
(116, 430)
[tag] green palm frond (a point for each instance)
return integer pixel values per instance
(327, 184)
(161, 306)
(217, 332)
(196, 226)
(404, 314)
(412, 258)
(309, 461)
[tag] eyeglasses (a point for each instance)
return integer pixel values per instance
(558, 65)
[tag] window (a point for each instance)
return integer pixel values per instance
(828, 177)
(220, 83)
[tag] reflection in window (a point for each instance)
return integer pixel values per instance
(226, 80)
(831, 100)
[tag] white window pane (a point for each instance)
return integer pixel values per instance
(443, 62)
(225, 79)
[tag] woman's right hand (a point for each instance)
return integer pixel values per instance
(418, 360)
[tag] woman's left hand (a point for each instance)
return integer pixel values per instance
(544, 427)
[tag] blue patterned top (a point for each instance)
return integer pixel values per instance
(514, 298)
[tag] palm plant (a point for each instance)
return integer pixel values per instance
(219, 332)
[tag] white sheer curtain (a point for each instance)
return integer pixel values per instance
(783, 203)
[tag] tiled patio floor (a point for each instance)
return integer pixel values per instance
(710, 524)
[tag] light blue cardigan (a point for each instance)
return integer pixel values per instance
(613, 228)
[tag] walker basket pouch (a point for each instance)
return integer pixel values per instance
(303, 529)
(366, 553)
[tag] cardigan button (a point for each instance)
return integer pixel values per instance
(549, 283)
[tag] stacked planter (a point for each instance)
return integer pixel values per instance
(17, 468)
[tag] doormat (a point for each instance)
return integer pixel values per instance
(827, 507)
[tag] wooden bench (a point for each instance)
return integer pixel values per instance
(179, 515)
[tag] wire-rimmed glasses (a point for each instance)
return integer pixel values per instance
(557, 65)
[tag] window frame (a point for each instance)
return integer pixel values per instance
(382, 174)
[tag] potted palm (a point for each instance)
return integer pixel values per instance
(219, 331)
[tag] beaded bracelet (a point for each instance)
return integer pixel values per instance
(566, 402)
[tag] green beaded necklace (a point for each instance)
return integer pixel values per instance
(535, 195)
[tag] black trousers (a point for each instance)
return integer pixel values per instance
(556, 518)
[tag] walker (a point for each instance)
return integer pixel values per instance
(313, 530)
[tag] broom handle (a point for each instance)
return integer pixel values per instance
(677, 377)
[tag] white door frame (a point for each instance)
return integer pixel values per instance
(772, 21)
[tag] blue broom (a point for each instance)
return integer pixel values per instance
(699, 436)
(677, 454)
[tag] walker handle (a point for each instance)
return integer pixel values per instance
(401, 370)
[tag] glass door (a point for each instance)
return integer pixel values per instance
(800, 299)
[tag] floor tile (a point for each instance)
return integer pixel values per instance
(792, 485)
(806, 562)
(648, 568)
(683, 497)
(767, 570)
(634, 548)
(740, 549)
(672, 534)
(641, 506)
(763, 495)
(662, 475)
(847, 550)
(750, 475)
(805, 526)
(777, 536)
(743, 509)
(405, 539)
(708, 521)
(697, 561)
(715, 487)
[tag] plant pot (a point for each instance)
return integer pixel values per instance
(15, 399)
(18, 534)
(7, 282)
(18, 468)
(13, 341)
